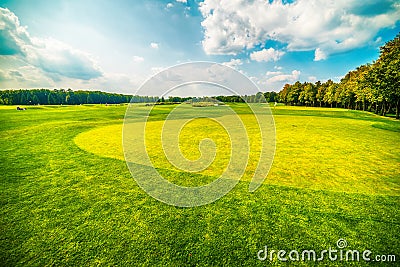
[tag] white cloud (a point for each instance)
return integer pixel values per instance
(170, 5)
(154, 45)
(233, 63)
(285, 77)
(31, 62)
(24, 77)
(275, 80)
(266, 55)
(51, 56)
(59, 59)
(330, 26)
(137, 59)
(378, 40)
(273, 73)
(13, 37)
(319, 55)
(117, 82)
(182, 1)
(312, 79)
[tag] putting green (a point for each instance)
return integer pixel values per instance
(338, 154)
(107, 142)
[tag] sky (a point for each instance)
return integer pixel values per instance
(115, 46)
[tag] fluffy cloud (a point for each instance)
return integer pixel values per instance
(312, 79)
(233, 63)
(182, 1)
(154, 45)
(25, 77)
(115, 82)
(137, 59)
(280, 77)
(170, 5)
(231, 26)
(275, 80)
(273, 73)
(59, 59)
(51, 56)
(319, 55)
(15, 73)
(266, 55)
(13, 37)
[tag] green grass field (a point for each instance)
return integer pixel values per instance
(68, 198)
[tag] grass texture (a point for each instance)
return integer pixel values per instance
(67, 197)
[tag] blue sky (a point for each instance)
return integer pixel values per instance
(116, 45)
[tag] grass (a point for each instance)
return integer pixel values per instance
(68, 198)
(341, 153)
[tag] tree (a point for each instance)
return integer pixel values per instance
(283, 94)
(271, 96)
(51, 98)
(387, 71)
(329, 96)
(294, 93)
(310, 93)
(320, 93)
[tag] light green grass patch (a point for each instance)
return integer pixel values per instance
(317, 152)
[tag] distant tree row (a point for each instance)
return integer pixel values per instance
(373, 87)
(59, 97)
(173, 99)
(70, 97)
(143, 99)
(257, 98)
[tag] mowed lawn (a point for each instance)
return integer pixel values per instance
(67, 197)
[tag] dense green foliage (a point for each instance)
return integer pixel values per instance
(70, 97)
(59, 97)
(373, 87)
(64, 206)
(257, 98)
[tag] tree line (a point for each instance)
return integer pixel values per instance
(374, 87)
(257, 98)
(59, 97)
(70, 97)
